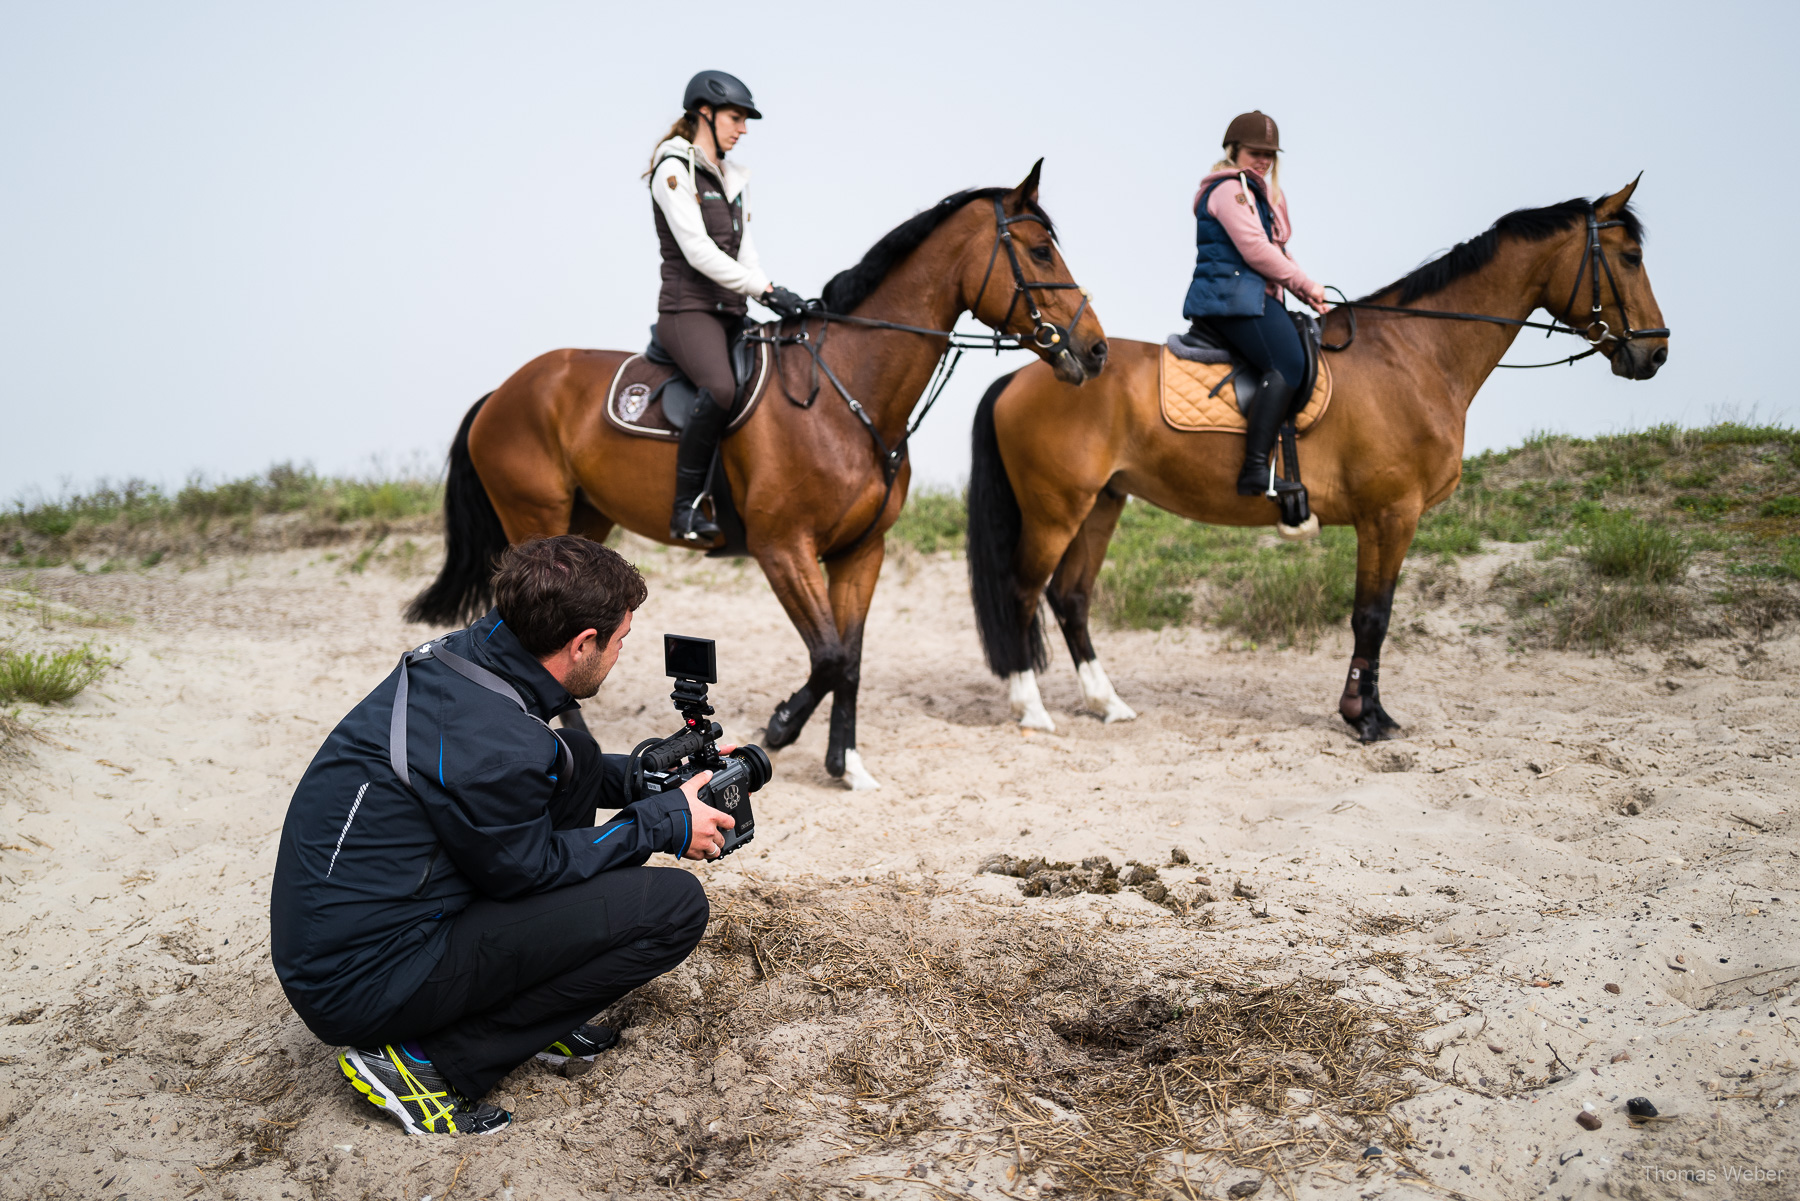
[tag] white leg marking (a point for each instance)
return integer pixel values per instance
(1027, 704)
(1098, 691)
(856, 776)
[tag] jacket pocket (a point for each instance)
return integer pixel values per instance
(425, 876)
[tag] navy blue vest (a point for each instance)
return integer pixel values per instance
(1224, 285)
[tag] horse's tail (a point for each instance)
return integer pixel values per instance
(472, 537)
(995, 522)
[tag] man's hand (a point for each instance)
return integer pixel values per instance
(709, 824)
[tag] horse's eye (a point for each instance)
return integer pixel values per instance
(1041, 253)
(1632, 258)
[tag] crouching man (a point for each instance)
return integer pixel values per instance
(444, 904)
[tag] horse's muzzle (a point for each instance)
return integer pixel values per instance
(1639, 360)
(1077, 368)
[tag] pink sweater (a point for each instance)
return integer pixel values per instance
(1234, 208)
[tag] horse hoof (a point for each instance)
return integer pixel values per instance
(1035, 717)
(1118, 710)
(1367, 727)
(779, 732)
(1098, 695)
(856, 776)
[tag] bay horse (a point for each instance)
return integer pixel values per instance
(536, 457)
(1051, 469)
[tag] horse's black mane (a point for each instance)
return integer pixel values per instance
(848, 289)
(1465, 258)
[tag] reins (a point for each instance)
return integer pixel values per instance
(1596, 333)
(1045, 335)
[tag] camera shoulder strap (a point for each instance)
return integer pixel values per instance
(469, 671)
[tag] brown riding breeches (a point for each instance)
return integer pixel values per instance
(700, 344)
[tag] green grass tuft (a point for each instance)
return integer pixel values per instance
(1288, 593)
(48, 678)
(1622, 546)
(934, 519)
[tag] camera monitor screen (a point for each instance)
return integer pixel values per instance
(690, 658)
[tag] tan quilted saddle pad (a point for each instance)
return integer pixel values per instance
(634, 404)
(1189, 401)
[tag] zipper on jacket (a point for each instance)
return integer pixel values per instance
(425, 877)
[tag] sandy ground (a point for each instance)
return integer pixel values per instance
(1549, 825)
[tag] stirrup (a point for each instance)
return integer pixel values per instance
(1278, 486)
(689, 524)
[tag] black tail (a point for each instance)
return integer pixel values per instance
(993, 547)
(472, 538)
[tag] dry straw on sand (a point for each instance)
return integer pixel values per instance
(1105, 1082)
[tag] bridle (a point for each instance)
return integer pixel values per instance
(1045, 336)
(1596, 333)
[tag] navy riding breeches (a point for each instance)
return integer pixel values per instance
(1269, 342)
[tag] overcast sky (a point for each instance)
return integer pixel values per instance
(232, 235)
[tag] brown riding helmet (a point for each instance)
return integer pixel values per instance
(1254, 129)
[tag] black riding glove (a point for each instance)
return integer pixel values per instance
(785, 303)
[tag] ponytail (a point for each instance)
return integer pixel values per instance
(688, 126)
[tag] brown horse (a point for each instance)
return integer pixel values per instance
(1052, 470)
(536, 457)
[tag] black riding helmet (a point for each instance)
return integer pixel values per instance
(717, 89)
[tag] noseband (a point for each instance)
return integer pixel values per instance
(1595, 333)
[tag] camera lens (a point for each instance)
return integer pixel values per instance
(756, 763)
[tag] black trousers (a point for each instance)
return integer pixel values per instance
(519, 974)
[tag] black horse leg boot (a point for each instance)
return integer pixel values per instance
(1264, 422)
(693, 467)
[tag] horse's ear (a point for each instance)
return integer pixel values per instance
(1608, 207)
(1027, 192)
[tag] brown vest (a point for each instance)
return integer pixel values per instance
(684, 289)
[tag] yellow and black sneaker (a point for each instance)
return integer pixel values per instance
(417, 1094)
(583, 1042)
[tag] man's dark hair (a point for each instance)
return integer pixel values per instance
(550, 589)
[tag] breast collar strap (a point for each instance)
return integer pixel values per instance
(469, 671)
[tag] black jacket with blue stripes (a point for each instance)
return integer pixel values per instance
(370, 869)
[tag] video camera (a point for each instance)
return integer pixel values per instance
(662, 764)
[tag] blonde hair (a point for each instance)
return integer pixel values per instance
(688, 126)
(1229, 163)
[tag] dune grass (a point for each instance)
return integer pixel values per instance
(44, 532)
(48, 677)
(934, 519)
(1160, 566)
(1618, 521)
(1622, 546)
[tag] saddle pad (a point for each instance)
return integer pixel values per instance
(630, 409)
(1186, 404)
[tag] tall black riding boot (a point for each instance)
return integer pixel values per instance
(693, 468)
(1273, 393)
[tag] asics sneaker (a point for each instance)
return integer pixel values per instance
(583, 1042)
(417, 1094)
